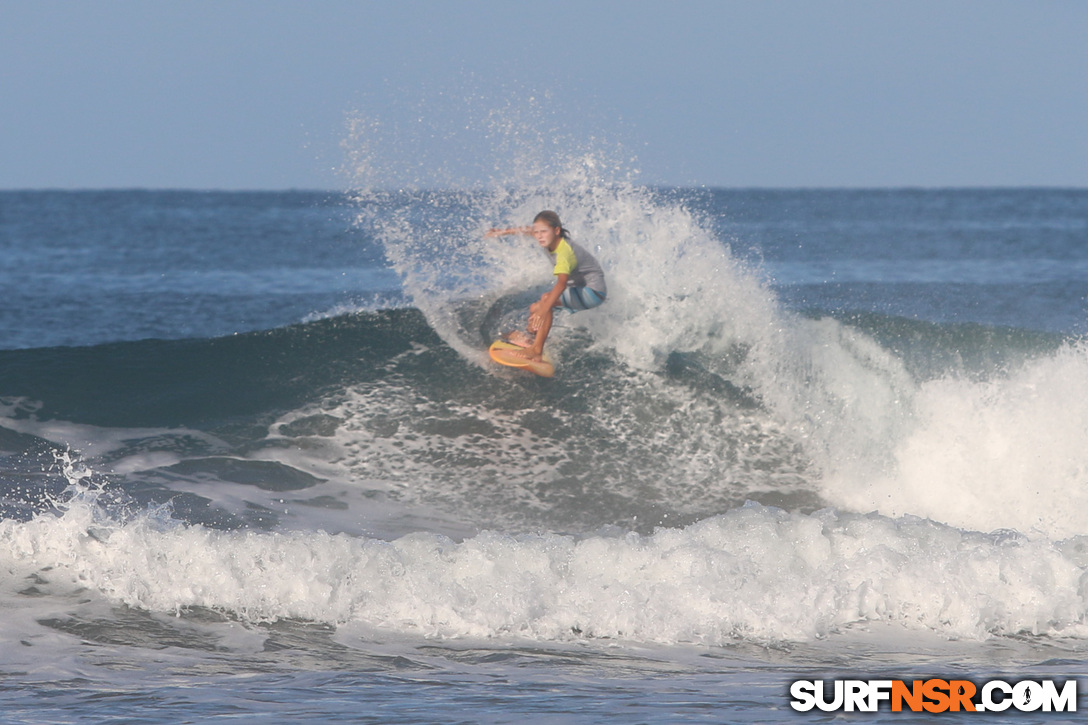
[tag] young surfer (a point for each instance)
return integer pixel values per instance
(579, 280)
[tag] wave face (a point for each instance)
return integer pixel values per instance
(723, 454)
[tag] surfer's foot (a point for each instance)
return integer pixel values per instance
(520, 338)
(528, 354)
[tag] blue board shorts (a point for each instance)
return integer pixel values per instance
(576, 299)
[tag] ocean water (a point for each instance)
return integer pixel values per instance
(254, 462)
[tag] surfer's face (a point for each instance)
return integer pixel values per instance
(546, 235)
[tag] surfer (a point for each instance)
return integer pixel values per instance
(579, 280)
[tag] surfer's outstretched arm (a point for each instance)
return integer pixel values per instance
(527, 231)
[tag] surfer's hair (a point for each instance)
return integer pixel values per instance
(552, 220)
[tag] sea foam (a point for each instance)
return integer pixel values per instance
(752, 574)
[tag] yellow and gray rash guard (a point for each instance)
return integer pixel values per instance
(581, 267)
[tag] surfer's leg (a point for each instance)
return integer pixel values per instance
(542, 320)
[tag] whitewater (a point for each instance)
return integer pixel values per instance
(835, 433)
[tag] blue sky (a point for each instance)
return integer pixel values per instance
(256, 94)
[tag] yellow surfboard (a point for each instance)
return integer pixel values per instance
(505, 353)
